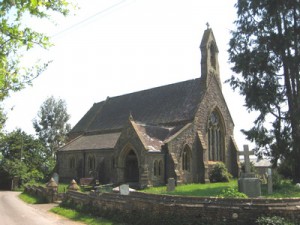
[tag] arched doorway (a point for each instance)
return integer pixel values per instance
(131, 167)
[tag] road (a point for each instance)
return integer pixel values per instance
(14, 211)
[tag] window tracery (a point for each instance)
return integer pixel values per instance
(215, 137)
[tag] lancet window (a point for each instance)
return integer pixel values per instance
(215, 138)
(186, 159)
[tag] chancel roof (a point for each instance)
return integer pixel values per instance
(165, 105)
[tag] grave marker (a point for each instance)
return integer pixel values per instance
(248, 183)
(270, 181)
(55, 176)
(124, 189)
(246, 153)
(171, 184)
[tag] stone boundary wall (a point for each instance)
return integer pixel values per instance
(186, 210)
(44, 193)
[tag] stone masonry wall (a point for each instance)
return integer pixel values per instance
(212, 100)
(43, 193)
(162, 209)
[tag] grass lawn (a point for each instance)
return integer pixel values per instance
(199, 190)
(286, 190)
(84, 218)
(31, 199)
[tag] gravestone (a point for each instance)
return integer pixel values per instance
(270, 181)
(248, 183)
(171, 184)
(124, 189)
(55, 176)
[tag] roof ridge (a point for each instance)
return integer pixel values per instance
(149, 89)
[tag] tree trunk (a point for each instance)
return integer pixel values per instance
(296, 151)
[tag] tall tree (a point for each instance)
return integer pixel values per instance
(51, 124)
(23, 156)
(17, 38)
(264, 50)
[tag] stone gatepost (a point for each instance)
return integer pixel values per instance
(73, 186)
(52, 188)
(248, 183)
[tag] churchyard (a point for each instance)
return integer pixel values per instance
(202, 198)
(236, 201)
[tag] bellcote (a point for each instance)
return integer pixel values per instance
(209, 58)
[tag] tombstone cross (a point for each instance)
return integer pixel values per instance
(246, 154)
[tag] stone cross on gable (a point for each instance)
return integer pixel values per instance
(208, 26)
(246, 153)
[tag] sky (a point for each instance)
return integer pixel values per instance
(114, 47)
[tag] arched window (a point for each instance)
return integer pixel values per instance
(160, 168)
(186, 159)
(215, 138)
(91, 162)
(72, 162)
(213, 55)
(155, 168)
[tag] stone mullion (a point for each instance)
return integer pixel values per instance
(215, 144)
(210, 144)
(218, 145)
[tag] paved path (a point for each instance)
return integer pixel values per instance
(14, 211)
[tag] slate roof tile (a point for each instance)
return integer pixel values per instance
(168, 104)
(91, 142)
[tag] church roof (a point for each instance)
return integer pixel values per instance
(90, 142)
(153, 137)
(166, 105)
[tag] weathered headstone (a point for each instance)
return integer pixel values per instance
(124, 189)
(248, 183)
(55, 176)
(171, 184)
(270, 181)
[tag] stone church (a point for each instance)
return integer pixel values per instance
(174, 131)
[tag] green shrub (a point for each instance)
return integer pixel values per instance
(285, 169)
(220, 173)
(275, 220)
(276, 179)
(232, 193)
